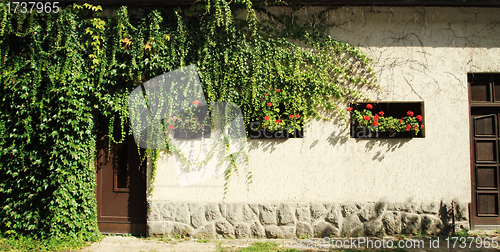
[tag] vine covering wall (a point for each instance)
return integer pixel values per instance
(60, 72)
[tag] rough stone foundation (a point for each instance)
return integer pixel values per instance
(287, 220)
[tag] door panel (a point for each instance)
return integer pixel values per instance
(486, 151)
(121, 185)
(486, 177)
(485, 125)
(484, 160)
(487, 204)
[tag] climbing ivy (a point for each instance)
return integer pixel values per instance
(59, 72)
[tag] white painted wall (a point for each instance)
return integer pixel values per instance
(420, 54)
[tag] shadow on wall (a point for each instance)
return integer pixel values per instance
(390, 146)
(341, 136)
(267, 145)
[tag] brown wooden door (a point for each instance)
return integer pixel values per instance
(484, 103)
(121, 185)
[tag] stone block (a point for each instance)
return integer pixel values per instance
(207, 231)
(400, 207)
(223, 209)
(255, 208)
(462, 212)
(258, 231)
(380, 208)
(429, 208)
(167, 211)
(288, 231)
(159, 227)
(303, 213)
(374, 228)
(392, 222)
(334, 216)
(193, 206)
(431, 224)
(212, 212)
(352, 226)
(248, 214)
(318, 211)
(154, 212)
(304, 229)
(182, 213)
(274, 232)
(198, 217)
(182, 230)
(285, 215)
(224, 228)
(242, 230)
(410, 223)
(367, 212)
(324, 229)
(267, 214)
(234, 213)
(348, 209)
(459, 225)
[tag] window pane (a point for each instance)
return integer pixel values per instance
(480, 91)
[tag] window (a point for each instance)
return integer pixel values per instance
(394, 120)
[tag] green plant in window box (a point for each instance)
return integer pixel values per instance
(365, 119)
(277, 117)
(191, 123)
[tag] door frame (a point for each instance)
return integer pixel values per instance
(473, 221)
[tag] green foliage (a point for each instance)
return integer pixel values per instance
(462, 233)
(266, 247)
(60, 72)
(22, 243)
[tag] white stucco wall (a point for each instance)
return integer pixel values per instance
(420, 54)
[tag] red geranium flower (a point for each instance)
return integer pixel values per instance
(415, 127)
(278, 121)
(421, 126)
(408, 127)
(265, 95)
(381, 113)
(297, 115)
(278, 90)
(269, 104)
(367, 117)
(266, 117)
(349, 109)
(292, 116)
(196, 102)
(171, 126)
(369, 106)
(375, 117)
(419, 118)
(410, 113)
(375, 123)
(400, 121)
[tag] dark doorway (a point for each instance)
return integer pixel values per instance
(484, 101)
(121, 183)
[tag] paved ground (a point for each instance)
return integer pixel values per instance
(127, 243)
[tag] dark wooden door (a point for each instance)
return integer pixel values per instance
(121, 185)
(484, 103)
